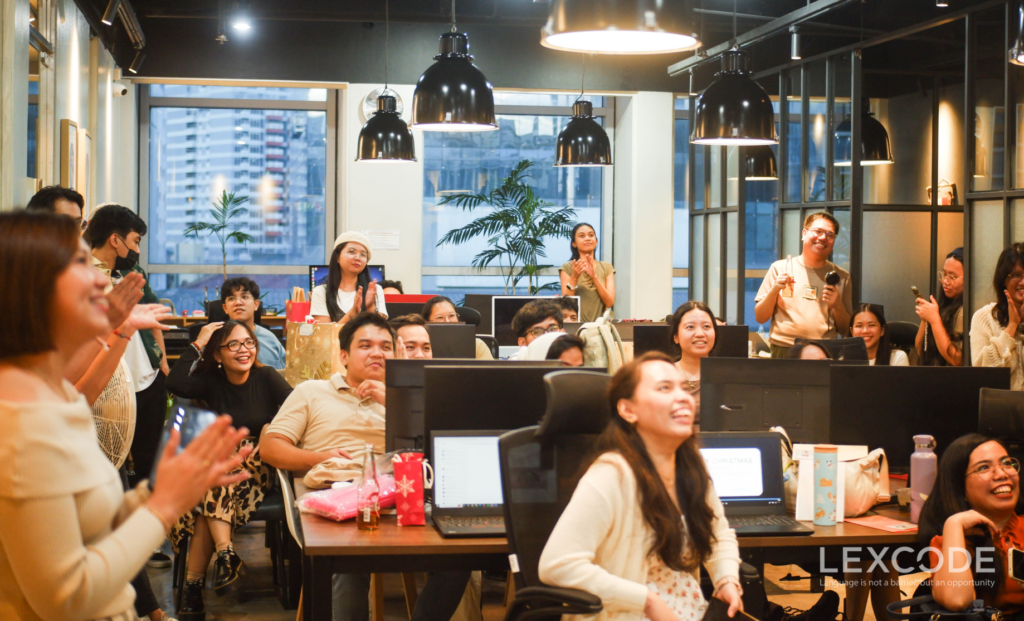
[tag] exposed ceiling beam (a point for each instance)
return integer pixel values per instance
(781, 24)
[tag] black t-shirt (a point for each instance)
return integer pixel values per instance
(252, 404)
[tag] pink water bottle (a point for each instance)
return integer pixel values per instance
(922, 473)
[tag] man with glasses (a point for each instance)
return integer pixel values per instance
(533, 320)
(795, 296)
(240, 298)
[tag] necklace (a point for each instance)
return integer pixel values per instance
(691, 382)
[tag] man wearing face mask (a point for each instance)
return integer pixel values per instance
(114, 233)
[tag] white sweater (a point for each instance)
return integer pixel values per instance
(601, 542)
(991, 346)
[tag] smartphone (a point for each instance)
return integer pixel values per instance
(917, 293)
(1015, 561)
(190, 421)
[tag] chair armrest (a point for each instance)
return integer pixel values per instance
(545, 602)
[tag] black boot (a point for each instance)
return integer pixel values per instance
(192, 608)
(226, 570)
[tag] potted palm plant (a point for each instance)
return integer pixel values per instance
(225, 209)
(515, 229)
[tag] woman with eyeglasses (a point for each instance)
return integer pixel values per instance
(222, 370)
(974, 506)
(996, 340)
(349, 290)
(940, 340)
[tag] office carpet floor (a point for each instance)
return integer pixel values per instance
(256, 599)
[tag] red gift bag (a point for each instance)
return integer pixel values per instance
(297, 311)
(409, 469)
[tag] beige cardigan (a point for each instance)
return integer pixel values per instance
(991, 346)
(70, 538)
(601, 542)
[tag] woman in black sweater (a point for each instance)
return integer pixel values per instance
(221, 370)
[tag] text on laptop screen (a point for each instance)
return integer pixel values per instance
(736, 472)
(466, 472)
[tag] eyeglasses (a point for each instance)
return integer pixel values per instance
(829, 235)
(236, 345)
(1015, 276)
(244, 298)
(352, 252)
(1009, 465)
(540, 330)
(944, 276)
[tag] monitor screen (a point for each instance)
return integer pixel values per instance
(466, 472)
(746, 468)
(505, 307)
(318, 274)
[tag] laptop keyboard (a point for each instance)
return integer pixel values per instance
(761, 520)
(483, 521)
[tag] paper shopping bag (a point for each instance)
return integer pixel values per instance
(409, 488)
(312, 352)
(297, 311)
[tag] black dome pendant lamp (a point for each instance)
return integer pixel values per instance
(453, 95)
(759, 164)
(734, 109)
(614, 27)
(385, 137)
(1017, 51)
(583, 142)
(874, 140)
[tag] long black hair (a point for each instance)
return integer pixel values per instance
(949, 308)
(1008, 259)
(572, 240)
(949, 497)
(334, 281)
(884, 352)
(677, 318)
(692, 479)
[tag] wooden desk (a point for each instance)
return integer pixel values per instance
(340, 547)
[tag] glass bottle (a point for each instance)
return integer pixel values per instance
(368, 503)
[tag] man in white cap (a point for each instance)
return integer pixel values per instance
(348, 290)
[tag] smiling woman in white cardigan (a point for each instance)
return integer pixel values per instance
(645, 515)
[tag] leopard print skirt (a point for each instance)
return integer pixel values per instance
(233, 504)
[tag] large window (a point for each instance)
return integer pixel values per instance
(681, 204)
(268, 145)
(456, 162)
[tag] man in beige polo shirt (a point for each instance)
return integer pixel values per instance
(795, 297)
(323, 428)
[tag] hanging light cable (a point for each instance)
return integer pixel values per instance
(452, 94)
(614, 27)
(385, 137)
(583, 142)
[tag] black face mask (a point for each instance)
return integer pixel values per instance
(126, 263)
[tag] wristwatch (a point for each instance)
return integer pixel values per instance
(570, 287)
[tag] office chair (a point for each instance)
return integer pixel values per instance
(1001, 415)
(492, 344)
(540, 467)
(852, 348)
(468, 315)
(290, 591)
(902, 334)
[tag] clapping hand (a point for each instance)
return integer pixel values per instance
(123, 298)
(150, 316)
(357, 305)
(1013, 313)
(371, 296)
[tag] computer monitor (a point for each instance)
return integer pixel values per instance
(403, 396)
(886, 406)
(481, 303)
(452, 340)
(497, 396)
(730, 341)
(745, 394)
(505, 307)
(318, 274)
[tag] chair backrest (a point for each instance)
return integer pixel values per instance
(291, 512)
(902, 334)
(541, 466)
(491, 342)
(852, 348)
(1001, 414)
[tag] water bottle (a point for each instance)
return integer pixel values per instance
(826, 495)
(923, 464)
(368, 494)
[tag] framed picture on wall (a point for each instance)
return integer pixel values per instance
(84, 186)
(68, 153)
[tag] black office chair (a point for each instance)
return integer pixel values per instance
(1001, 415)
(540, 467)
(842, 349)
(468, 315)
(902, 334)
(491, 342)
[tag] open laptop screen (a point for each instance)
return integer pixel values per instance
(466, 470)
(746, 467)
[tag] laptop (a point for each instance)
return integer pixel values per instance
(746, 468)
(467, 484)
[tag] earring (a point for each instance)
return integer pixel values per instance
(220, 366)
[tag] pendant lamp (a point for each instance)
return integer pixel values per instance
(759, 164)
(874, 141)
(734, 109)
(614, 27)
(582, 142)
(453, 95)
(385, 137)
(1017, 51)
